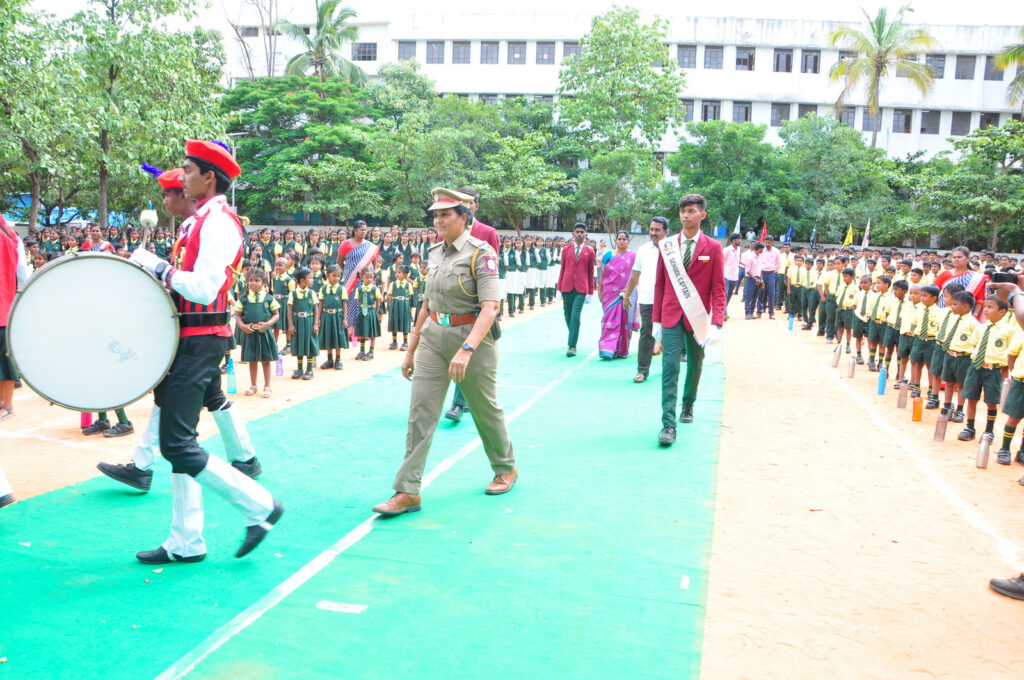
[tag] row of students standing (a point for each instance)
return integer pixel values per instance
(528, 271)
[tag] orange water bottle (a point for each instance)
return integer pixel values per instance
(918, 409)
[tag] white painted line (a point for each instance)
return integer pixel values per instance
(1008, 550)
(341, 607)
(519, 387)
(247, 617)
(64, 442)
(684, 583)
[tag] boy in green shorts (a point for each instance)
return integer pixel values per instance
(863, 299)
(985, 375)
(926, 325)
(956, 347)
(846, 294)
(899, 305)
(877, 328)
(1014, 405)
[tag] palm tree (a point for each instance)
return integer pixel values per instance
(1013, 55)
(322, 49)
(885, 47)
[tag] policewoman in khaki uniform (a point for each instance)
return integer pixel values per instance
(452, 340)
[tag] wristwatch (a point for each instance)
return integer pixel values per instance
(468, 347)
(1009, 298)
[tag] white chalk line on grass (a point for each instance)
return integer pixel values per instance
(251, 614)
(1008, 550)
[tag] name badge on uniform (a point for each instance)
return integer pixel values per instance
(704, 258)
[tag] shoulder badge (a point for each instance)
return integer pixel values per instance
(999, 342)
(490, 265)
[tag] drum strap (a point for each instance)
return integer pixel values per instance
(203, 319)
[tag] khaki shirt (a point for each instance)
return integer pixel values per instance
(451, 286)
(962, 341)
(997, 349)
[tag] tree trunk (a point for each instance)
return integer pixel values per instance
(104, 177)
(993, 243)
(874, 138)
(33, 211)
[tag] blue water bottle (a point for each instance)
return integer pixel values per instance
(279, 370)
(790, 322)
(883, 376)
(232, 383)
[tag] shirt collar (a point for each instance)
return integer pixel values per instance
(460, 241)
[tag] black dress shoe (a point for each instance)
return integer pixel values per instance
(97, 427)
(160, 556)
(932, 403)
(369, 355)
(687, 415)
(860, 360)
(257, 532)
(454, 413)
(393, 345)
(1003, 456)
(667, 436)
(308, 375)
(128, 474)
(1011, 587)
(6, 500)
(224, 369)
(571, 352)
(297, 374)
(119, 430)
(640, 377)
(966, 434)
(958, 416)
(249, 468)
(337, 365)
(404, 347)
(286, 351)
(1020, 457)
(17, 384)
(327, 364)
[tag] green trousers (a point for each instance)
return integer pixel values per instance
(673, 341)
(831, 315)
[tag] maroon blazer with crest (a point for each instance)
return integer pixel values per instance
(706, 270)
(577, 275)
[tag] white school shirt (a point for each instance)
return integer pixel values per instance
(646, 263)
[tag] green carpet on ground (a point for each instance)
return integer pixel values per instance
(595, 565)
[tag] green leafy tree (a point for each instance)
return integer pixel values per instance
(403, 89)
(885, 48)
(618, 187)
(612, 93)
(321, 49)
(335, 187)
(1013, 55)
(914, 217)
(516, 182)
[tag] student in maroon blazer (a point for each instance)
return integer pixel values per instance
(706, 271)
(576, 281)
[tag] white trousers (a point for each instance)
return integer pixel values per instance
(5, 486)
(233, 433)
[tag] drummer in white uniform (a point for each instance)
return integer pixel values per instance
(237, 445)
(13, 274)
(199, 287)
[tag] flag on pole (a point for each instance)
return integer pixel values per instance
(849, 237)
(788, 238)
(737, 229)
(814, 235)
(867, 235)
(764, 232)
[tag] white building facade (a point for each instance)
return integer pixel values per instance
(760, 70)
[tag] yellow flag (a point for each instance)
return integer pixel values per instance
(849, 237)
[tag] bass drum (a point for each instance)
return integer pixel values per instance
(92, 332)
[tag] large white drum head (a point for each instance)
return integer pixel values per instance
(92, 332)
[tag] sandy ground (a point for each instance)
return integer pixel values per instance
(42, 447)
(848, 544)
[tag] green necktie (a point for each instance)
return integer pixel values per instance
(923, 333)
(842, 296)
(577, 252)
(899, 316)
(942, 328)
(874, 310)
(952, 334)
(979, 361)
(864, 305)
(688, 254)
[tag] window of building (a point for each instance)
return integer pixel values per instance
(988, 119)
(961, 123)
(902, 72)
(435, 51)
(741, 112)
(744, 58)
(545, 53)
(901, 120)
(936, 63)
(965, 65)
(460, 52)
(687, 110)
(517, 53)
(488, 52)
(1015, 116)
(848, 115)
(930, 122)
(546, 98)
(991, 72)
(872, 122)
(364, 51)
(847, 55)
(570, 49)
(783, 61)
(489, 98)
(686, 57)
(406, 50)
(249, 31)
(714, 57)
(805, 110)
(810, 61)
(711, 110)
(780, 114)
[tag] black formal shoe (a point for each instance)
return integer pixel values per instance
(687, 415)
(257, 532)
(1011, 587)
(6, 500)
(337, 365)
(1003, 456)
(327, 364)
(820, 334)
(160, 556)
(640, 377)
(571, 352)
(119, 430)
(667, 436)
(286, 351)
(393, 345)
(97, 427)
(249, 468)
(806, 327)
(871, 366)
(224, 369)
(958, 416)
(360, 356)
(966, 434)
(860, 360)
(828, 339)
(915, 392)
(454, 413)
(308, 375)
(369, 355)
(17, 384)
(511, 315)
(297, 374)
(932, 403)
(404, 347)
(128, 474)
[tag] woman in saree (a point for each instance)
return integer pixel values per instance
(355, 255)
(617, 324)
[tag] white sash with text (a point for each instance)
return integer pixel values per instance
(689, 299)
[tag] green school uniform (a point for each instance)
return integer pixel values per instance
(419, 283)
(367, 323)
(333, 335)
(319, 281)
(257, 308)
(281, 286)
(304, 342)
(399, 313)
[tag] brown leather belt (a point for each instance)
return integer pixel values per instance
(993, 366)
(452, 319)
(958, 354)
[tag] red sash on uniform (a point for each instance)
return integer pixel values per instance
(9, 244)
(191, 242)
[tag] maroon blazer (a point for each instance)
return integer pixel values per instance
(708, 276)
(577, 275)
(485, 232)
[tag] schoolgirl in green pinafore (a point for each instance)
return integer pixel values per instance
(333, 332)
(367, 322)
(238, 291)
(281, 286)
(399, 311)
(304, 323)
(253, 308)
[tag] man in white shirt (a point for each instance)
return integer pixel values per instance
(769, 262)
(732, 269)
(642, 280)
